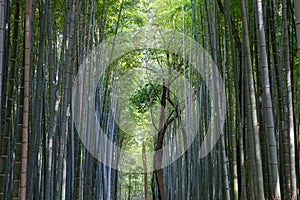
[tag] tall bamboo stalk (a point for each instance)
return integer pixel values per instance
(254, 124)
(275, 187)
(2, 25)
(10, 102)
(293, 194)
(297, 11)
(27, 59)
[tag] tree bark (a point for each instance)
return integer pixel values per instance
(145, 169)
(158, 146)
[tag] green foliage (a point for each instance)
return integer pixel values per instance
(169, 14)
(132, 16)
(143, 97)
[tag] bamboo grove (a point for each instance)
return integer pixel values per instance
(256, 47)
